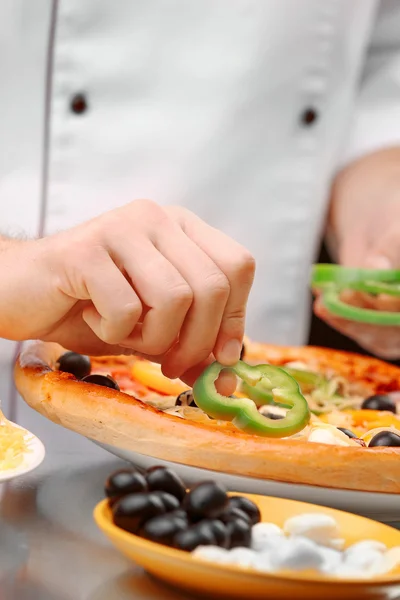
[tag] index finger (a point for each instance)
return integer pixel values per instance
(238, 265)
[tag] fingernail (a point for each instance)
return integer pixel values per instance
(378, 262)
(230, 353)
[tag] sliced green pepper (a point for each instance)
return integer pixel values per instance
(306, 379)
(242, 412)
(332, 280)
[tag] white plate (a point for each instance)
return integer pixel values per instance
(32, 458)
(381, 507)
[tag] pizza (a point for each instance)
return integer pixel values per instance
(126, 402)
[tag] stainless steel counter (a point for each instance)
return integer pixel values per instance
(49, 545)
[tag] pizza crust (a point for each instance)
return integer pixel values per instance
(115, 418)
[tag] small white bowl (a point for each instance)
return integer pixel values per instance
(33, 457)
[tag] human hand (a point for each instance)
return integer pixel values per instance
(367, 216)
(142, 279)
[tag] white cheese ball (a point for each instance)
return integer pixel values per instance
(262, 562)
(214, 554)
(332, 560)
(318, 527)
(393, 557)
(243, 557)
(365, 545)
(297, 554)
(368, 560)
(265, 536)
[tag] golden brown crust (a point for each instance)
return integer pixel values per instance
(118, 419)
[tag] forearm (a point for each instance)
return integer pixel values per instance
(358, 191)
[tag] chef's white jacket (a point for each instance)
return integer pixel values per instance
(240, 110)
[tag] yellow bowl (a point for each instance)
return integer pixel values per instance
(182, 570)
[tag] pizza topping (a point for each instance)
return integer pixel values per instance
(185, 399)
(165, 480)
(347, 432)
(385, 438)
(379, 402)
(243, 412)
(123, 482)
(103, 380)
(150, 375)
(77, 364)
(332, 280)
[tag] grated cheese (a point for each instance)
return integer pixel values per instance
(13, 445)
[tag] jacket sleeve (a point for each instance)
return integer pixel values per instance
(376, 120)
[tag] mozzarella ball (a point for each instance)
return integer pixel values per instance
(265, 536)
(318, 527)
(297, 554)
(212, 553)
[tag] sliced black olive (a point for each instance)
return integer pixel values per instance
(163, 529)
(133, 511)
(247, 506)
(239, 532)
(104, 380)
(233, 513)
(273, 416)
(123, 482)
(205, 500)
(379, 402)
(165, 480)
(185, 399)
(349, 433)
(218, 530)
(77, 364)
(191, 538)
(385, 438)
(170, 502)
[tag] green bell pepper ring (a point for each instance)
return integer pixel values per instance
(242, 412)
(305, 379)
(332, 280)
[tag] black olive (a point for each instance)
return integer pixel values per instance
(242, 352)
(170, 502)
(132, 511)
(77, 364)
(104, 380)
(186, 399)
(218, 530)
(180, 513)
(165, 480)
(247, 506)
(205, 500)
(232, 513)
(191, 538)
(385, 438)
(273, 416)
(379, 402)
(123, 482)
(349, 433)
(163, 529)
(239, 532)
